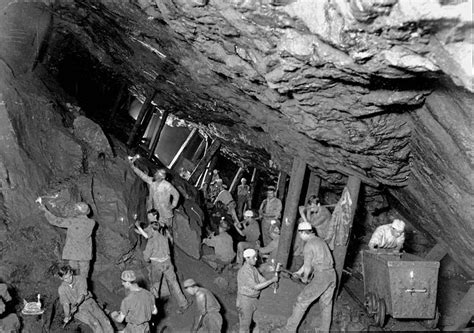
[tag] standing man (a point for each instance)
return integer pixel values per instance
(137, 308)
(318, 270)
(389, 236)
(78, 247)
(271, 251)
(223, 247)
(164, 196)
(319, 217)
(209, 320)
(77, 302)
(270, 212)
(250, 230)
(157, 253)
(249, 284)
(243, 197)
(225, 197)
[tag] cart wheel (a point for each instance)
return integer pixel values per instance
(381, 313)
(371, 304)
(431, 323)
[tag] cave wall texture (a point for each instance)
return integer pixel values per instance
(359, 87)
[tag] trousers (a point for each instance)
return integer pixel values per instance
(211, 323)
(93, 316)
(166, 269)
(321, 286)
(246, 307)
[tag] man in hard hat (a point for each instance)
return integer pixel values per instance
(77, 302)
(249, 284)
(389, 236)
(209, 319)
(223, 245)
(318, 272)
(164, 196)
(270, 251)
(248, 228)
(270, 212)
(243, 197)
(318, 216)
(157, 253)
(137, 307)
(225, 197)
(78, 247)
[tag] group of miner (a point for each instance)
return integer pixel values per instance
(254, 237)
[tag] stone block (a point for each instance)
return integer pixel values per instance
(90, 133)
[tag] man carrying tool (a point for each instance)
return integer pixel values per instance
(78, 247)
(137, 307)
(270, 212)
(318, 263)
(157, 253)
(389, 236)
(225, 197)
(250, 230)
(77, 302)
(209, 320)
(164, 196)
(318, 216)
(249, 284)
(270, 251)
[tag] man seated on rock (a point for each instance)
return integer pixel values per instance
(389, 236)
(78, 246)
(269, 252)
(157, 253)
(225, 197)
(77, 302)
(223, 248)
(137, 308)
(250, 229)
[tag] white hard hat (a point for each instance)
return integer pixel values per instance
(304, 226)
(128, 276)
(83, 208)
(248, 213)
(272, 222)
(398, 225)
(189, 283)
(249, 253)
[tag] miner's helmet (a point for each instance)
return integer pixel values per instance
(189, 283)
(128, 276)
(271, 188)
(82, 208)
(304, 226)
(248, 213)
(398, 225)
(249, 253)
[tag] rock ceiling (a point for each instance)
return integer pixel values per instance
(325, 80)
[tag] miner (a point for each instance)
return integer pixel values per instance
(318, 216)
(164, 196)
(137, 307)
(243, 197)
(270, 251)
(248, 228)
(209, 319)
(77, 302)
(225, 197)
(270, 212)
(78, 247)
(249, 284)
(157, 253)
(223, 245)
(389, 236)
(318, 272)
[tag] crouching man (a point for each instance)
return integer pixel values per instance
(77, 302)
(137, 308)
(389, 236)
(223, 248)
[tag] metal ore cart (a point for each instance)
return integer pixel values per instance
(403, 286)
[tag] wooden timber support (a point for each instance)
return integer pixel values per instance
(144, 112)
(339, 252)
(181, 149)
(253, 184)
(437, 252)
(156, 138)
(201, 166)
(237, 176)
(291, 209)
(281, 186)
(314, 183)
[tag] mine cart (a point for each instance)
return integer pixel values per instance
(401, 285)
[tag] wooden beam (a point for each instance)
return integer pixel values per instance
(281, 185)
(340, 250)
(237, 176)
(143, 112)
(181, 149)
(314, 183)
(291, 209)
(201, 166)
(253, 184)
(156, 138)
(437, 252)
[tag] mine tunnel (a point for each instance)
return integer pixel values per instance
(126, 124)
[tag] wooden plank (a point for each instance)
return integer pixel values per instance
(145, 109)
(213, 149)
(181, 149)
(156, 138)
(437, 252)
(281, 185)
(291, 209)
(253, 184)
(339, 252)
(237, 176)
(314, 183)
